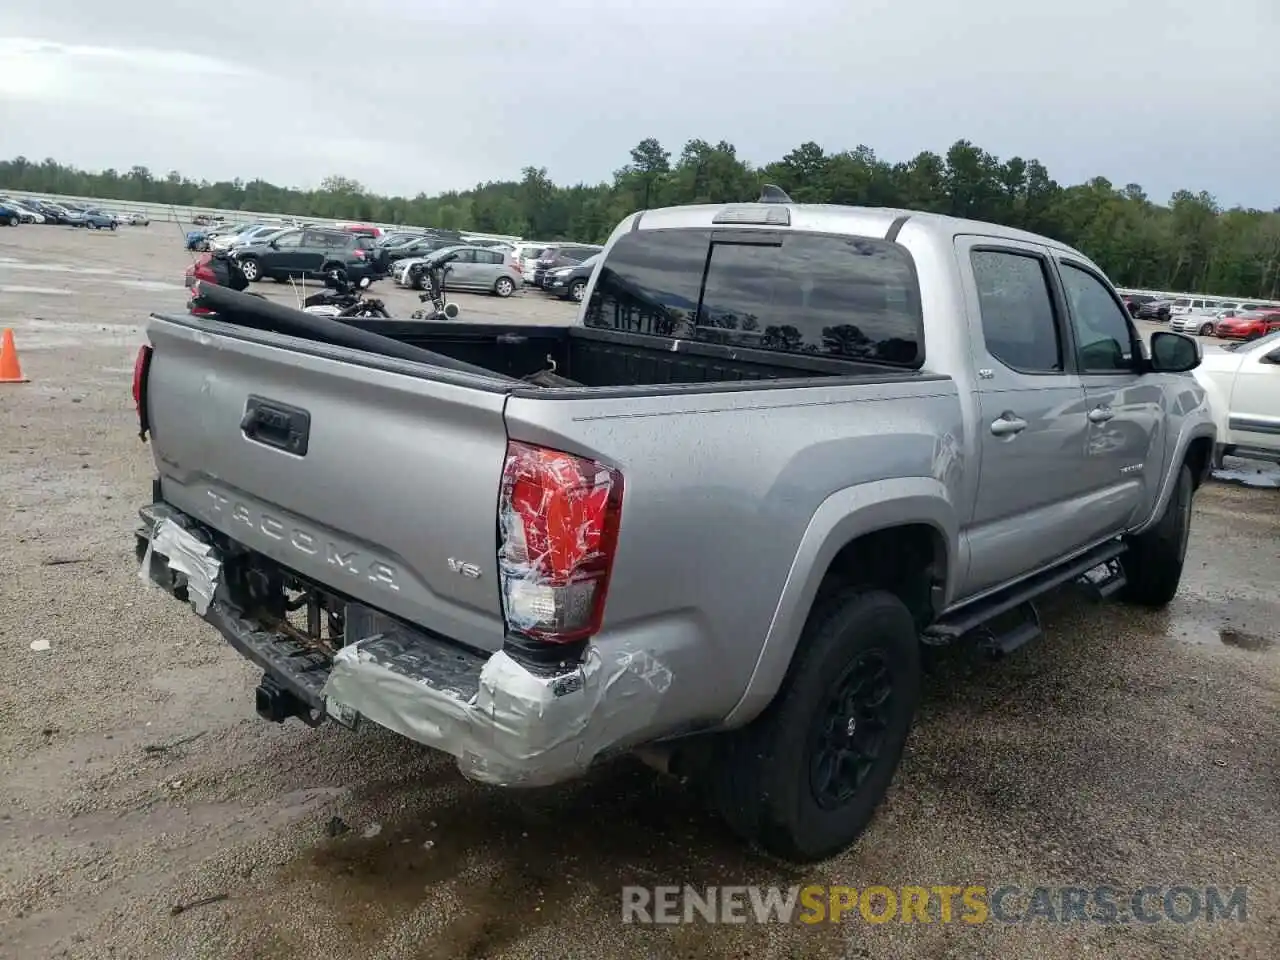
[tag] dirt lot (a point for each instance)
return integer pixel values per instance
(1127, 748)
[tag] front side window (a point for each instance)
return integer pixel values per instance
(1104, 339)
(827, 295)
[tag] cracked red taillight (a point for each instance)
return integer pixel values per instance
(558, 520)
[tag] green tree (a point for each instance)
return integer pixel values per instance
(1188, 243)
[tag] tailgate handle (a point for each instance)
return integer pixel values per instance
(276, 425)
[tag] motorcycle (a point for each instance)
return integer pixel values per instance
(437, 271)
(341, 301)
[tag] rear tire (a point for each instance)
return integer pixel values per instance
(504, 287)
(803, 780)
(1154, 560)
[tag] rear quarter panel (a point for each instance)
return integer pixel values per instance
(722, 489)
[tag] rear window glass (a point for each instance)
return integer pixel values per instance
(835, 296)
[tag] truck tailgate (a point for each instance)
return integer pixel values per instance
(392, 500)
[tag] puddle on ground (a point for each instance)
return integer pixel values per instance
(47, 291)
(1243, 624)
(1263, 476)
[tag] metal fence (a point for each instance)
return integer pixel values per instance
(175, 213)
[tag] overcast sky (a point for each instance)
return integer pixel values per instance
(422, 95)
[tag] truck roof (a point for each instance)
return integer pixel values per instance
(832, 218)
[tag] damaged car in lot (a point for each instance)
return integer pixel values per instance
(715, 521)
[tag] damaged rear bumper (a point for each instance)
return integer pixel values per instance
(507, 724)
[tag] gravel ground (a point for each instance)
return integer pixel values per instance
(1126, 748)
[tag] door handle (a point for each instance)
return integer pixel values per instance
(1100, 414)
(1008, 424)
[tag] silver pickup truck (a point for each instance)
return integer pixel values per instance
(713, 522)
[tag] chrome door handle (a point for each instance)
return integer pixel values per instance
(1100, 414)
(1008, 424)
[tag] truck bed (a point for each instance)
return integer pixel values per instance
(591, 357)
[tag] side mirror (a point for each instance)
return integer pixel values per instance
(275, 244)
(1272, 357)
(1174, 352)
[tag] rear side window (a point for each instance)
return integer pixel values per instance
(817, 294)
(1019, 327)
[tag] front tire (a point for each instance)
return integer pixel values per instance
(576, 290)
(252, 269)
(1153, 563)
(1206, 329)
(803, 780)
(13, 221)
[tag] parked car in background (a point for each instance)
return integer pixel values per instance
(1193, 315)
(396, 237)
(9, 216)
(139, 220)
(1249, 325)
(246, 234)
(364, 229)
(55, 213)
(473, 268)
(1133, 302)
(1243, 385)
(1231, 308)
(561, 255)
(1155, 309)
(259, 234)
(416, 248)
(569, 283)
(308, 253)
(526, 256)
(25, 213)
(95, 219)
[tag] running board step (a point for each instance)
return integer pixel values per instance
(1002, 641)
(1105, 580)
(980, 612)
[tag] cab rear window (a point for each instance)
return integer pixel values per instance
(817, 294)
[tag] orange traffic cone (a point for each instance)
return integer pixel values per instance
(10, 369)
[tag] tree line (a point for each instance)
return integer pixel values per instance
(1189, 243)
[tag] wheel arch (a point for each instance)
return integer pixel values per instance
(901, 535)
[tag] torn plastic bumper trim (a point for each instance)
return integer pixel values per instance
(505, 725)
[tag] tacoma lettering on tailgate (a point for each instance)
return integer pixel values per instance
(349, 561)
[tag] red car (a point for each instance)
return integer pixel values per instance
(364, 229)
(1249, 325)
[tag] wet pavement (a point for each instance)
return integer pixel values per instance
(1127, 747)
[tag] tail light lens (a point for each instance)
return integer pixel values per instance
(558, 520)
(359, 254)
(141, 366)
